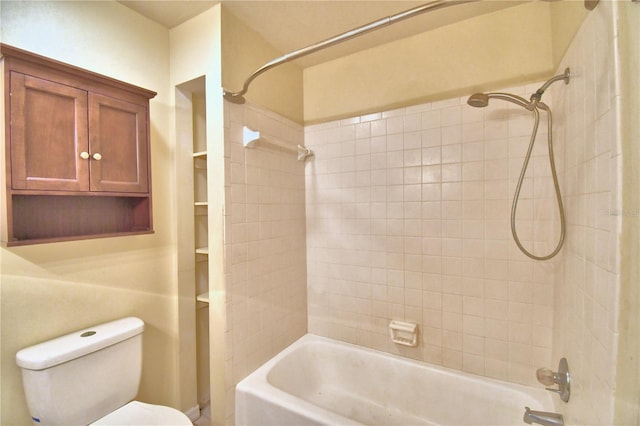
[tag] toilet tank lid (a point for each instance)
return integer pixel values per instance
(74, 345)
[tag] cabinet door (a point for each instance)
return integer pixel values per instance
(48, 125)
(119, 145)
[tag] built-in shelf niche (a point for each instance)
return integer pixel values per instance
(200, 178)
(201, 205)
(194, 229)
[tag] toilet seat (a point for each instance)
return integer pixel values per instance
(138, 413)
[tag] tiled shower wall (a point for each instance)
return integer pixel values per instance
(408, 218)
(265, 261)
(588, 284)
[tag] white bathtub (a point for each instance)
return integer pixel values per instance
(319, 381)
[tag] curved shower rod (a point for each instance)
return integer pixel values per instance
(238, 98)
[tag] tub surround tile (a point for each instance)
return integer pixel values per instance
(439, 179)
(434, 186)
(265, 253)
(482, 306)
(588, 281)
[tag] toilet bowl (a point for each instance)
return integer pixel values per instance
(91, 377)
(138, 413)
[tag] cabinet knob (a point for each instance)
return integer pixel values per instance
(84, 155)
(97, 156)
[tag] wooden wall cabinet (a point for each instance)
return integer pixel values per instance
(77, 152)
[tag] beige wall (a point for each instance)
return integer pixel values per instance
(51, 289)
(243, 52)
(195, 74)
(566, 19)
(82, 283)
(511, 46)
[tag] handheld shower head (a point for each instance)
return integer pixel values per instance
(481, 100)
(478, 100)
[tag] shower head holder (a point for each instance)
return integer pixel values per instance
(537, 96)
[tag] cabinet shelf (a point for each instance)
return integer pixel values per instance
(203, 297)
(200, 154)
(202, 203)
(49, 218)
(202, 250)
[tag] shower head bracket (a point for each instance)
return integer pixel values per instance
(537, 96)
(567, 75)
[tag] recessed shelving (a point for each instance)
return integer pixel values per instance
(193, 132)
(200, 160)
(203, 297)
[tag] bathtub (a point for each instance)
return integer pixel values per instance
(319, 381)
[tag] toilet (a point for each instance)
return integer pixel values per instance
(91, 377)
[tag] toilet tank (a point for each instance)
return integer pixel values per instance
(80, 377)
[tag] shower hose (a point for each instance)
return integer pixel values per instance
(556, 186)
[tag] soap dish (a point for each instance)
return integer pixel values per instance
(404, 333)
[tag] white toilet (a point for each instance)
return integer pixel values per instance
(91, 377)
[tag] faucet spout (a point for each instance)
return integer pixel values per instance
(542, 418)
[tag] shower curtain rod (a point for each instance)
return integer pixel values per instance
(237, 97)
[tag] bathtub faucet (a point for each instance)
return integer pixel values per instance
(542, 418)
